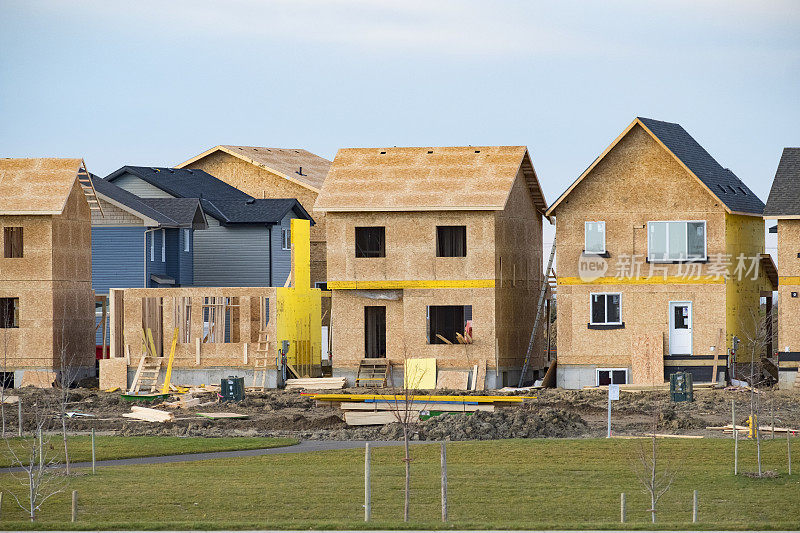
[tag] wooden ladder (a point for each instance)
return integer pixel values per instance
(149, 366)
(373, 372)
(261, 361)
(85, 181)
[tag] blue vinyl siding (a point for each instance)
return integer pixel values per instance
(185, 259)
(156, 266)
(281, 259)
(116, 260)
(231, 256)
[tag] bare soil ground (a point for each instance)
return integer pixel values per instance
(554, 413)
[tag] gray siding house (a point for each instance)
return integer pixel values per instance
(246, 240)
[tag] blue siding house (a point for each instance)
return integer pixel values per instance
(246, 240)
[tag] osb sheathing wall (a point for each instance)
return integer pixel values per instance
(261, 183)
(211, 353)
(53, 283)
(636, 182)
(789, 282)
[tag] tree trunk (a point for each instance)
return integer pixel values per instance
(64, 434)
(408, 473)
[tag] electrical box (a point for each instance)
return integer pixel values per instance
(680, 387)
(232, 389)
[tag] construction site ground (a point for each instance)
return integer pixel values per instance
(553, 413)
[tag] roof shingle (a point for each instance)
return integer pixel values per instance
(784, 196)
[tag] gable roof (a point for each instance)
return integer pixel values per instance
(184, 212)
(294, 164)
(724, 185)
(37, 186)
(427, 179)
(224, 202)
(784, 196)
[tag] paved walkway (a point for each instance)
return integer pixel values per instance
(305, 446)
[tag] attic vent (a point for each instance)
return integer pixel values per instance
(430, 151)
(732, 189)
(477, 151)
(382, 153)
(743, 191)
(250, 201)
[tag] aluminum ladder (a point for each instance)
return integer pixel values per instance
(539, 309)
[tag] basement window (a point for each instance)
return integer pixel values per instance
(449, 324)
(594, 237)
(676, 241)
(371, 242)
(9, 313)
(611, 376)
(6, 380)
(12, 242)
(606, 309)
(451, 241)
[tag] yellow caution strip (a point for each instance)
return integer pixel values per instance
(645, 280)
(417, 399)
(789, 280)
(414, 284)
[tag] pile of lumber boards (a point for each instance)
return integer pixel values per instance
(149, 415)
(745, 429)
(316, 383)
(379, 409)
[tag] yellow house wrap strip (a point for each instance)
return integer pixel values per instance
(415, 284)
(644, 280)
(789, 280)
(417, 399)
(420, 373)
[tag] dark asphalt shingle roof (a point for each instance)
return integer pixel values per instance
(222, 201)
(170, 212)
(722, 182)
(784, 196)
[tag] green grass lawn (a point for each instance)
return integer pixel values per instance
(501, 484)
(106, 447)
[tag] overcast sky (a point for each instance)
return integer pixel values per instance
(154, 82)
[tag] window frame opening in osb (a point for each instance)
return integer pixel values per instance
(451, 241)
(611, 372)
(363, 236)
(9, 307)
(13, 242)
(436, 316)
(375, 331)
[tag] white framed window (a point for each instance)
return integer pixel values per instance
(163, 246)
(611, 376)
(605, 308)
(669, 241)
(286, 239)
(152, 246)
(187, 237)
(594, 237)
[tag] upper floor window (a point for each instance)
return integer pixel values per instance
(371, 242)
(606, 309)
(286, 239)
(676, 241)
(163, 246)
(9, 313)
(187, 239)
(451, 241)
(594, 237)
(12, 242)
(152, 246)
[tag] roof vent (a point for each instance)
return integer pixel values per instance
(250, 201)
(154, 169)
(743, 191)
(732, 189)
(189, 170)
(722, 188)
(383, 153)
(171, 171)
(477, 151)
(300, 172)
(430, 151)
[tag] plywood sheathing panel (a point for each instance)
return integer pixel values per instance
(432, 178)
(789, 282)
(647, 359)
(636, 182)
(42, 379)
(452, 379)
(260, 182)
(113, 374)
(36, 186)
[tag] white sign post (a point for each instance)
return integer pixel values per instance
(613, 395)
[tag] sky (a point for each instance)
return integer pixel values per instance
(156, 82)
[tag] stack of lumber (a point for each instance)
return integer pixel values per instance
(745, 429)
(316, 383)
(184, 401)
(631, 387)
(149, 415)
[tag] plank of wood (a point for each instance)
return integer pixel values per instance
(438, 336)
(415, 406)
(11, 399)
(717, 349)
(362, 418)
(452, 379)
(474, 377)
(481, 383)
(217, 416)
(149, 415)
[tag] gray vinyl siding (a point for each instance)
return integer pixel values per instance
(281, 259)
(139, 187)
(116, 260)
(231, 256)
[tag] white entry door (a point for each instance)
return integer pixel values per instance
(680, 328)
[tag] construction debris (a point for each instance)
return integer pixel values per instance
(316, 383)
(219, 416)
(149, 415)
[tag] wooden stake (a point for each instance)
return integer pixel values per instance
(93, 461)
(789, 450)
(772, 415)
(74, 505)
(444, 483)
(694, 507)
(19, 416)
(622, 507)
(367, 487)
(735, 439)
(1, 504)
